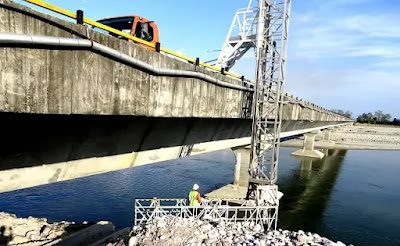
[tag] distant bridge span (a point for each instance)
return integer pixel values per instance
(70, 111)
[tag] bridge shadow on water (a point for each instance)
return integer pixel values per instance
(307, 188)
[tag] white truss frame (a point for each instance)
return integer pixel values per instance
(272, 37)
(241, 37)
(148, 209)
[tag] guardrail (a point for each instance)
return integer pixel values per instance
(221, 210)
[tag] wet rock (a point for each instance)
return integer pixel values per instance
(180, 231)
(30, 231)
(206, 227)
(133, 241)
(257, 228)
(203, 237)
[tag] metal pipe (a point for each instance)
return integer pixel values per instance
(34, 40)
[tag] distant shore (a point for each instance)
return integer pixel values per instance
(375, 125)
(358, 137)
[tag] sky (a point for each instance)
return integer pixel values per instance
(343, 54)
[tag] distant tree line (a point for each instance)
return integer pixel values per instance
(378, 118)
(342, 112)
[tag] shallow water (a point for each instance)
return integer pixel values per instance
(352, 196)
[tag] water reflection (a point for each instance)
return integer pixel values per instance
(307, 189)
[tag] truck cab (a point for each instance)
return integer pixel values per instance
(133, 25)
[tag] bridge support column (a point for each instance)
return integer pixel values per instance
(308, 147)
(241, 174)
(326, 139)
(306, 163)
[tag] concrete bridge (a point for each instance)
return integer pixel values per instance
(75, 102)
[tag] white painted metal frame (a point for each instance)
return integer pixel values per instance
(241, 37)
(272, 37)
(148, 209)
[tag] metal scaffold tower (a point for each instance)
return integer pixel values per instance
(264, 27)
(271, 49)
(241, 37)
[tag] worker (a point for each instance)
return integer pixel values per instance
(194, 196)
(146, 36)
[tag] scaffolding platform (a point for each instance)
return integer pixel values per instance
(228, 211)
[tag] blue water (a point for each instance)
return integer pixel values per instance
(111, 196)
(352, 196)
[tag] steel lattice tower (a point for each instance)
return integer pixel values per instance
(272, 38)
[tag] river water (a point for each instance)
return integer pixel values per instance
(352, 196)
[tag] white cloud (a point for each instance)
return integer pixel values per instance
(387, 51)
(344, 60)
(387, 64)
(348, 36)
(378, 26)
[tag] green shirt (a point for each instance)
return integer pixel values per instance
(193, 198)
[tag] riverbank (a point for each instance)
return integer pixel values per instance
(357, 138)
(163, 231)
(174, 231)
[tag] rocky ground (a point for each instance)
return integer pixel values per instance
(34, 231)
(172, 231)
(164, 231)
(29, 231)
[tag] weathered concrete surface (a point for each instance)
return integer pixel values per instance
(228, 192)
(242, 155)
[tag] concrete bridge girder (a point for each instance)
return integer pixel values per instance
(46, 173)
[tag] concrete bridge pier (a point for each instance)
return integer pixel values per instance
(306, 163)
(238, 189)
(308, 147)
(306, 167)
(326, 139)
(241, 174)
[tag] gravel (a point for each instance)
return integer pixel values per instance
(170, 230)
(367, 135)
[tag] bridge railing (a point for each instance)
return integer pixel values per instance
(230, 211)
